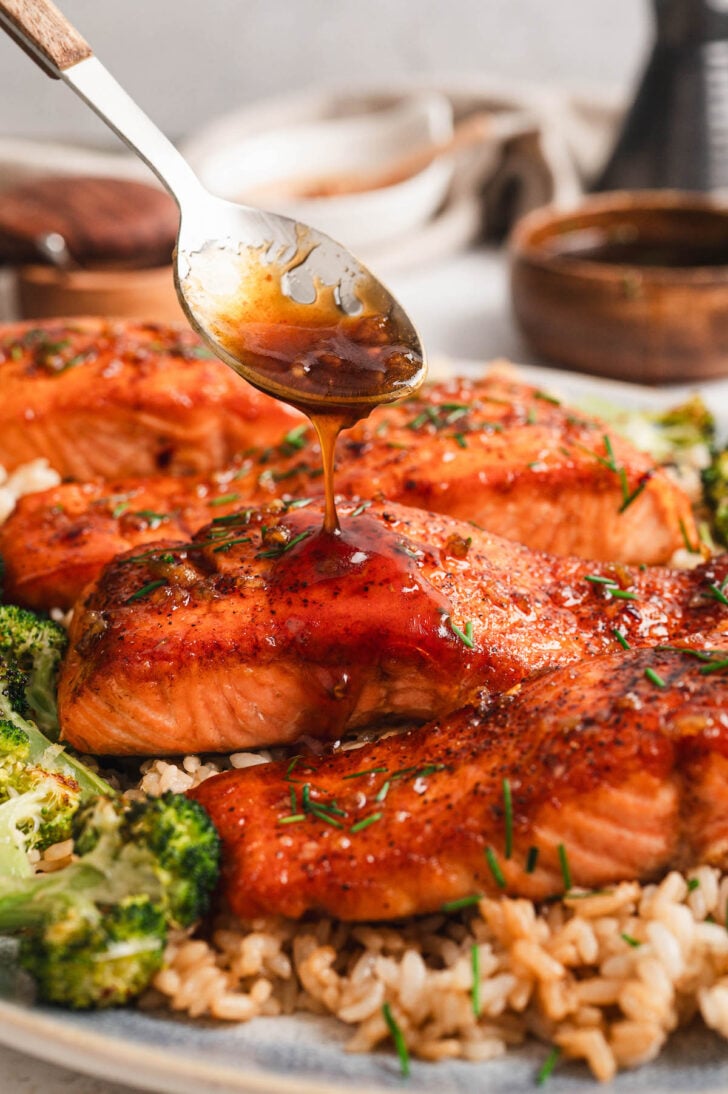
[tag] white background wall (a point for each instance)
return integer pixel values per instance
(186, 61)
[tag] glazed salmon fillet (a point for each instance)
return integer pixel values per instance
(102, 398)
(262, 629)
(616, 769)
(494, 451)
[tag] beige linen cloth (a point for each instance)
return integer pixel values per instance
(541, 145)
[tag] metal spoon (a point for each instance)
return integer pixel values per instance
(239, 268)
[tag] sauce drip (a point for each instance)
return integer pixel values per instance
(333, 365)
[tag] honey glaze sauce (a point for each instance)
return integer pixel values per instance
(333, 365)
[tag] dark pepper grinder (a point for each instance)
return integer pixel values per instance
(676, 132)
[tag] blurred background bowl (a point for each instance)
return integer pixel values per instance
(628, 285)
(335, 165)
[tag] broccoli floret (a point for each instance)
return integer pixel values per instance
(93, 934)
(715, 491)
(688, 424)
(33, 646)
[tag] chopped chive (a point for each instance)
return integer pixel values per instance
(475, 991)
(463, 902)
(546, 398)
(224, 499)
(597, 579)
(531, 418)
(629, 498)
(693, 884)
(293, 761)
(654, 678)
(360, 508)
(495, 868)
(429, 769)
(383, 791)
(398, 1037)
(531, 859)
(292, 818)
(466, 636)
(230, 543)
(298, 503)
(508, 811)
(714, 666)
(548, 1066)
(306, 797)
(366, 771)
(460, 440)
(329, 807)
(119, 509)
(294, 800)
(360, 825)
(565, 869)
(628, 938)
(320, 815)
(276, 552)
(148, 588)
(233, 518)
(295, 438)
(717, 592)
(623, 594)
(686, 539)
(619, 635)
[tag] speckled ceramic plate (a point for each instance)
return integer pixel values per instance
(306, 1055)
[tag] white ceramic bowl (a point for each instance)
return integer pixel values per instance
(259, 156)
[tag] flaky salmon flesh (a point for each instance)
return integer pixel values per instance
(102, 398)
(494, 451)
(610, 770)
(262, 629)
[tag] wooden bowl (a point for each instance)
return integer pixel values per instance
(136, 294)
(632, 285)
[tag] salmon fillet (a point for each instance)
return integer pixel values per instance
(102, 398)
(612, 776)
(262, 629)
(518, 465)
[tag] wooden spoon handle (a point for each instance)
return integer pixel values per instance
(44, 33)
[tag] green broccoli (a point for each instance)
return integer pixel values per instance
(34, 647)
(687, 424)
(715, 492)
(93, 934)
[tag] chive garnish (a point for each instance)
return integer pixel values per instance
(398, 1037)
(548, 1066)
(531, 859)
(686, 539)
(362, 824)
(148, 588)
(495, 868)
(466, 636)
(366, 771)
(545, 398)
(230, 543)
(475, 991)
(597, 579)
(224, 499)
(320, 815)
(293, 818)
(619, 635)
(119, 509)
(295, 438)
(360, 508)
(276, 552)
(717, 592)
(508, 813)
(714, 666)
(565, 868)
(628, 938)
(460, 440)
(629, 498)
(463, 902)
(621, 594)
(693, 883)
(654, 677)
(293, 761)
(383, 791)
(298, 503)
